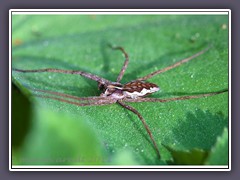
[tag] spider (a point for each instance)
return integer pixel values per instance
(115, 92)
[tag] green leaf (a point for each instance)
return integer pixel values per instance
(198, 130)
(193, 157)
(78, 42)
(58, 138)
(195, 137)
(21, 117)
(219, 153)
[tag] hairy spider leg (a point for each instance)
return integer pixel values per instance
(174, 65)
(130, 108)
(81, 73)
(175, 98)
(79, 101)
(96, 102)
(124, 67)
(91, 98)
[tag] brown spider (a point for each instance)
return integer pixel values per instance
(115, 92)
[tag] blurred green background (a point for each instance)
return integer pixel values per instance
(49, 132)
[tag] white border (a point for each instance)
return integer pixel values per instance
(10, 90)
(124, 11)
(230, 90)
(128, 168)
(120, 11)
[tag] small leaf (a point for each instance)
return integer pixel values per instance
(219, 153)
(192, 157)
(198, 130)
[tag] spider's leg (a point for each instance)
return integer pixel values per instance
(144, 123)
(79, 101)
(173, 65)
(90, 102)
(68, 95)
(81, 73)
(124, 67)
(175, 98)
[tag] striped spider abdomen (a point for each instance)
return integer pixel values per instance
(137, 89)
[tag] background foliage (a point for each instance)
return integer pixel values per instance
(49, 132)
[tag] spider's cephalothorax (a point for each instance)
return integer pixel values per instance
(132, 90)
(115, 92)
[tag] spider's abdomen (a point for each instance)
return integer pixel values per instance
(136, 89)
